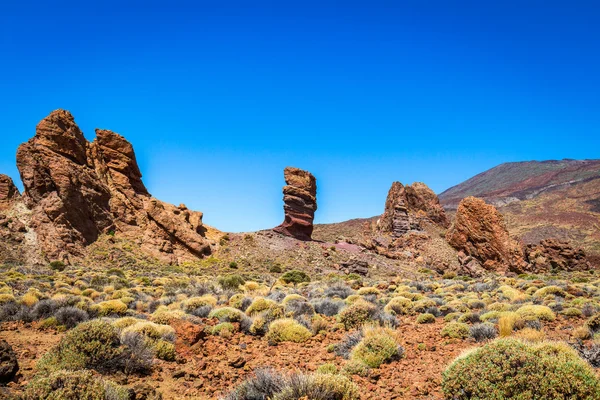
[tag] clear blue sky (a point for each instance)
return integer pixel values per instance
(219, 96)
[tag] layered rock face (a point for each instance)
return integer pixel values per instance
(8, 191)
(78, 190)
(480, 233)
(553, 254)
(405, 206)
(300, 204)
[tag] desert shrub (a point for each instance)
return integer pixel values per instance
(537, 311)
(263, 385)
(13, 311)
(328, 307)
(510, 369)
(368, 290)
(295, 277)
(469, 317)
(94, 345)
(191, 304)
(231, 281)
(338, 290)
(164, 350)
(165, 316)
(483, 332)
(261, 323)
(582, 333)
(275, 269)
(57, 265)
(357, 314)
(593, 323)
(399, 305)
(572, 312)
(588, 310)
(355, 367)
(151, 330)
(261, 304)
(425, 319)
(318, 387)
(287, 330)
(420, 306)
(227, 314)
(349, 341)
(453, 316)
(328, 368)
(224, 329)
(7, 298)
(297, 307)
(550, 290)
(530, 335)
(139, 356)
(73, 385)
(110, 307)
(70, 317)
(506, 323)
(456, 330)
(201, 312)
(377, 346)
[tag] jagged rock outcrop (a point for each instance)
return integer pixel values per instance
(554, 254)
(8, 191)
(355, 266)
(300, 204)
(479, 231)
(406, 206)
(78, 190)
(8, 362)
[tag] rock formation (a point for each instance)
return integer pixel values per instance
(354, 266)
(553, 254)
(479, 231)
(300, 204)
(78, 190)
(8, 191)
(8, 363)
(405, 206)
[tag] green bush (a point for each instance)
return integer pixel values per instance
(510, 369)
(231, 282)
(377, 346)
(456, 330)
(226, 314)
(426, 318)
(57, 265)
(73, 385)
(295, 277)
(90, 345)
(399, 305)
(357, 314)
(287, 330)
(164, 350)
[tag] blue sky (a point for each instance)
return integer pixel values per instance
(218, 97)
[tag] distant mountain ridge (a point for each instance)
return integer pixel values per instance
(541, 199)
(516, 181)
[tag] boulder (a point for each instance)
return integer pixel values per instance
(554, 254)
(9, 365)
(78, 190)
(8, 190)
(355, 266)
(300, 204)
(479, 231)
(406, 206)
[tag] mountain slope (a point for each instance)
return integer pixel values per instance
(547, 199)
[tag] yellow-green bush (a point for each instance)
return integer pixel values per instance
(287, 330)
(193, 303)
(261, 304)
(110, 307)
(536, 311)
(426, 318)
(456, 330)
(357, 314)
(71, 385)
(399, 306)
(378, 346)
(545, 371)
(226, 314)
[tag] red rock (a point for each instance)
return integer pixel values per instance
(300, 204)
(8, 190)
(479, 231)
(79, 190)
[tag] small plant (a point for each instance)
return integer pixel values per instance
(73, 385)
(58, 265)
(426, 318)
(226, 314)
(357, 314)
(231, 282)
(165, 350)
(483, 332)
(287, 330)
(295, 277)
(233, 265)
(399, 305)
(545, 371)
(377, 346)
(456, 330)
